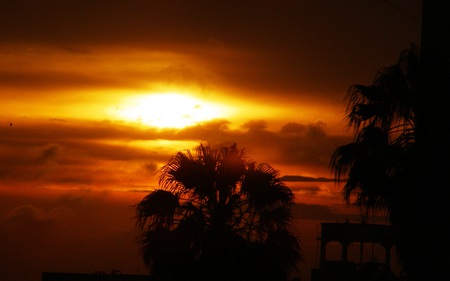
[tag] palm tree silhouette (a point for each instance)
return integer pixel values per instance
(382, 165)
(218, 216)
(398, 160)
(383, 116)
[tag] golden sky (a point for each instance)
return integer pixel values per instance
(97, 95)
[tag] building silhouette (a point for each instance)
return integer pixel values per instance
(345, 269)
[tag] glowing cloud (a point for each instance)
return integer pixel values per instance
(168, 110)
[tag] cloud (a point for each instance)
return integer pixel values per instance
(48, 153)
(310, 145)
(255, 125)
(293, 128)
(299, 50)
(26, 216)
(52, 69)
(73, 153)
(77, 153)
(56, 80)
(294, 178)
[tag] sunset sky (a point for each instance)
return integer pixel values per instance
(97, 95)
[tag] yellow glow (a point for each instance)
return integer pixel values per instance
(169, 110)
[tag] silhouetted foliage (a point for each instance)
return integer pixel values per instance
(218, 216)
(389, 166)
(383, 118)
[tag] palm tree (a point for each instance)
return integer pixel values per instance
(383, 116)
(382, 165)
(218, 216)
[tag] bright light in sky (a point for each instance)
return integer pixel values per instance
(169, 110)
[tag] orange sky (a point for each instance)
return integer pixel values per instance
(85, 118)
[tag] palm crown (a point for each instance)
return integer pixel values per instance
(383, 116)
(218, 209)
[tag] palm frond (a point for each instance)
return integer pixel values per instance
(159, 206)
(264, 188)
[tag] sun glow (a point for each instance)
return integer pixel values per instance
(169, 110)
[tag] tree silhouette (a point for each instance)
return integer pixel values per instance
(389, 166)
(218, 216)
(383, 117)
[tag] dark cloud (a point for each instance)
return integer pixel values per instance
(105, 154)
(295, 178)
(119, 20)
(26, 216)
(255, 125)
(150, 167)
(45, 80)
(48, 153)
(294, 48)
(27, 68)
(293, 128)
(305, 190)
(72, 153)
(310, 146)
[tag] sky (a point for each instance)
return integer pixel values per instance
(97, 95)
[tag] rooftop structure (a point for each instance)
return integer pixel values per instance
(344, 269)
